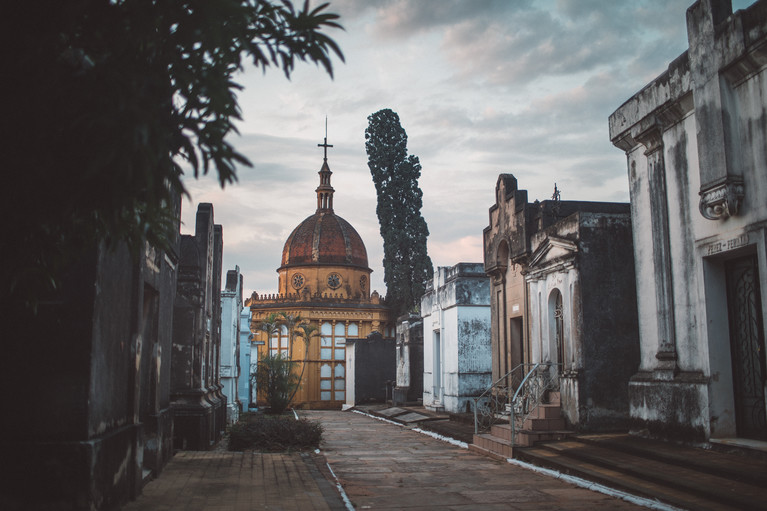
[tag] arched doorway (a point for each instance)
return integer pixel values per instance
(556, 329)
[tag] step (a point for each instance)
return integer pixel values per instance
(738, 467)
(534, 424)
(486, 452)
(493, 444)
(528, 438)
(502, 431)
(615, 479)
(715, 487)
(547, 411)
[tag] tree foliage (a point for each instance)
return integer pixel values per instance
(111, 100)
(276, 378)
(407, 265)
(305, 331)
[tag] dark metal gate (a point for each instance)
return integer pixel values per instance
(747, 346)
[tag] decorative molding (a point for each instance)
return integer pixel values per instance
(551, 242)
(723, 200)
(651, 136)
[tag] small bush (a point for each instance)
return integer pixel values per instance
(275, 433)
(276, 379)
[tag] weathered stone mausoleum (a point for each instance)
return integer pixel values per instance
(122, 365)
(696, 146)
(562, 292)
(197, 401)
(455, 310)
(324, 277)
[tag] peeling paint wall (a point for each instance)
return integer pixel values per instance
(457, 346)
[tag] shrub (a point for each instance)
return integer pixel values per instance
(272, 433)
(275, 377)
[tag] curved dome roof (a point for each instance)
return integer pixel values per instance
(324, 238)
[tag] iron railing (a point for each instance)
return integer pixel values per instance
(514, 396)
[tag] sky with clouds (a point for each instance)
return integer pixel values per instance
(482, 87)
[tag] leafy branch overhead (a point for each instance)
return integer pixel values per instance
(111, 100)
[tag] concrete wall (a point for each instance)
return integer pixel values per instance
(457, 348)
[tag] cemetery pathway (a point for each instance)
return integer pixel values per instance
(382, 465)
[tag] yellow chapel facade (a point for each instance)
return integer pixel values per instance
(324, 277)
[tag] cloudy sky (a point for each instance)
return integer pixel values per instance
(482, 87)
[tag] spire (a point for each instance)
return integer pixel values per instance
(325, 191)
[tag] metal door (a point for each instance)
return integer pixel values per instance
(747, 346)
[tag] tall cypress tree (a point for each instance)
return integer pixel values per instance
(395, 173)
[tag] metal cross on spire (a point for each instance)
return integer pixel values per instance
(325, 144)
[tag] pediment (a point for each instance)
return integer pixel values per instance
(553, 249)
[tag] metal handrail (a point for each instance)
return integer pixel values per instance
(503, 386)
(538, 381)
(527, 395)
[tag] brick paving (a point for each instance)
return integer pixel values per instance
(380, 465)
(239, 481)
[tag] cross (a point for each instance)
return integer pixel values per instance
(326, 145)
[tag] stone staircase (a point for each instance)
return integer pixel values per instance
(682, 476)
(544, 423)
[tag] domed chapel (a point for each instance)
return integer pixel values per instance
(324, 277)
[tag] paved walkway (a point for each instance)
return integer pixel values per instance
(237, 481)
(386, 466)
(380, 465)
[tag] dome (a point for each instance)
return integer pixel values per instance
(324, 238)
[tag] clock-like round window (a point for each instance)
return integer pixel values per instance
(334, 281)
(363, 282)
(298, 281)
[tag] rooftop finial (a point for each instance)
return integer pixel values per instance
(325, 144)
(325, 191)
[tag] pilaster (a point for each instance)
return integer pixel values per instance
(652, 138)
